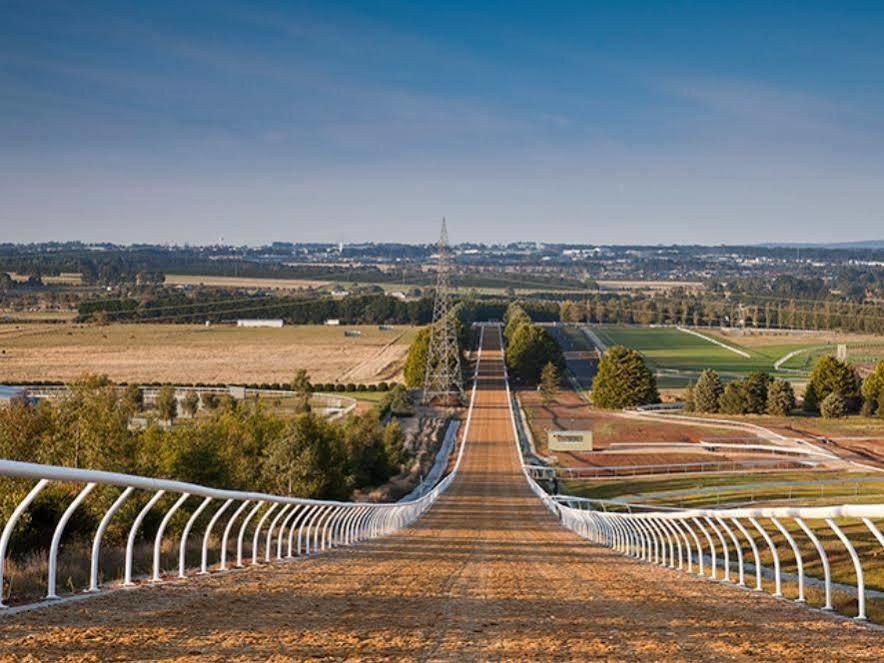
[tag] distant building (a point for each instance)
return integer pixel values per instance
(333, 322)
(259, 323)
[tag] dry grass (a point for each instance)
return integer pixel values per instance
(65, 278)
(757, 338)
(243, 282)
(656, 286)
(193, 353)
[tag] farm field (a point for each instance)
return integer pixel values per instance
(243, 282)
(194, 353)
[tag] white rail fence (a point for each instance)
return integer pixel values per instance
(281, 527)
(719, 543)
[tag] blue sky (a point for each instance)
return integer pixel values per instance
(597, 122)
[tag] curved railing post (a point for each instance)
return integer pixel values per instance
(99, 535)
(133, 531)
(857, 567)
(56, 538)
(700, 561)
(708, 538)
(797, 553)
(242, 532)
(284, 525)
(726, 558)
(297, 526)
(204, 553)
(10, 526)
(778, 580)
(279, 514)
(755, 555)
(257, 535)
(158, 539)
(824, 560)
(741, 572)
(224, 537)
(182, 551)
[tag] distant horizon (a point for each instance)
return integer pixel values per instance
(875, 244)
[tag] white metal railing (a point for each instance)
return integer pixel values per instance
(285, 527)
(686, 538)
(609, 471)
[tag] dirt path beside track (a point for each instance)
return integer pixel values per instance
(487, 574)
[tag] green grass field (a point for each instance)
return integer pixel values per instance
(668, 349)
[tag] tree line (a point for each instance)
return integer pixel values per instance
(530, 349)
(239, 445)
(834, 390)
(712, 309)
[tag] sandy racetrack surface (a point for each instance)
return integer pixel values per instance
(487, 574)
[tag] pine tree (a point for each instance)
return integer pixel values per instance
(549, 383)
(707, 392)
(623, 380)
(834, 406)
(780, 398)
(832, 375)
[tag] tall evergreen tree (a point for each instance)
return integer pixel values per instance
(623, 380)
(708, 391)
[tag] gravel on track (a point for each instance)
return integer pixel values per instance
(487, 574)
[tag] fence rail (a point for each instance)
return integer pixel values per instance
(687, 539)
(283, 527)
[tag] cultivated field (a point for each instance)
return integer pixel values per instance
(194, 353)
(243, 282)
(653, 286)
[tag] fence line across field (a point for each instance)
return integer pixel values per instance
(300, 526)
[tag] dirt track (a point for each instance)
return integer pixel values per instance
(487, 574)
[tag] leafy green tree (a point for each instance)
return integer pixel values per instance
(708, 391)
(530, 349)
(831, 375)
(873, 387)
(367, 454)
(210, 401)
(780, 398)
(167, 403)
(834, 406)
(623, 380)
(303, 391)
(133, 398)
(89, 427)
(689, 403)
(308, 461)
(190, 403)
(514, 318)
(416, 361)
(549, 383)
(881, 404)
(394, 445)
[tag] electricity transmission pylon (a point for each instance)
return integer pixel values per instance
(443, 379)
